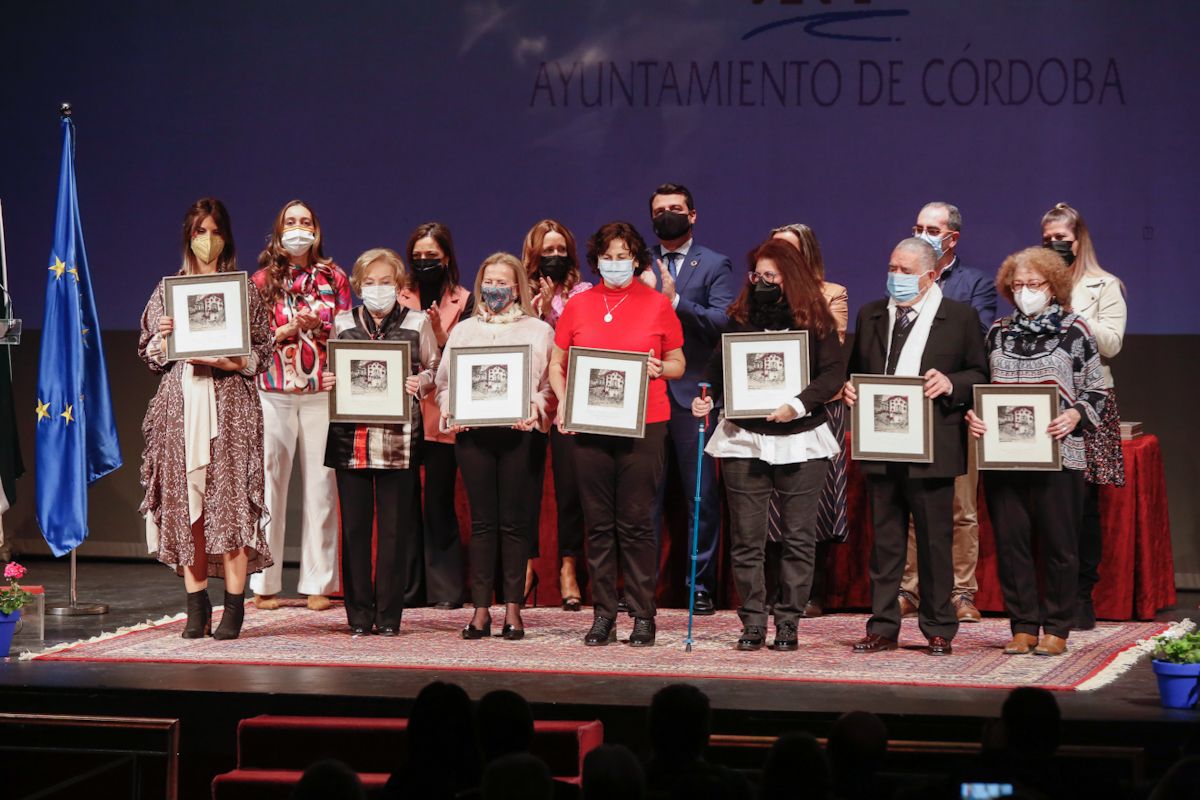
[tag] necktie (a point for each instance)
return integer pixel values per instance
(671, 258)
(900, 329)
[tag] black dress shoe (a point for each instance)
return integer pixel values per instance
(643, 632)
(753, 637)
(940, 646)
(511, 634)
(471, 632)
(704, 605)
(874, 643)
(604, 630)
(388, 630)
(446, 605)
(622, 606)
(785, 637)
(360, 630)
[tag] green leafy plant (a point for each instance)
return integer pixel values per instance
(12, 598)
(1178, 650)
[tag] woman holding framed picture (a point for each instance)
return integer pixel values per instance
(552, 264)
(202, 463)
(623, 473)
(377, 464)
(786, 452)
(1042, 341)
(497, 460)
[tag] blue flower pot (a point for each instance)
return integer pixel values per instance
(8, 626)
(1178, 684)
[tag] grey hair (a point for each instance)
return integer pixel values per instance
(953, 215)
(923, 250)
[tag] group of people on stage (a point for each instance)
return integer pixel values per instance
(222, 433)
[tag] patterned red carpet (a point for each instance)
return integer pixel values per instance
(293, 635)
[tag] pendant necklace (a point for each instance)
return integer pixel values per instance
(608, 316)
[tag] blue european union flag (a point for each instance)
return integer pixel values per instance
(76, 433)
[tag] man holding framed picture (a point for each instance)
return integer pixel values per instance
(917, 332)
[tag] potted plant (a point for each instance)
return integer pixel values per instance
(1177, 665)
(11, 601)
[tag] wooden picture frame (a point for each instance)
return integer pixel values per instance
(600, 397)
(762, 371)
(489, 386)
(211, 315)
(1017, 416)
(369, 385)
(892, 419)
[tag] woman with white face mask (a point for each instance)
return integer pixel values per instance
(497, 463)
(377, 465)
(304, 291)
(623, 474)
(1042, 341)
(1098, 297)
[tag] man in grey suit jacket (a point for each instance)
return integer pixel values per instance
(700, 285)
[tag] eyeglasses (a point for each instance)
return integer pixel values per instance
(764, 277)
(932, 230)
(1031, 285)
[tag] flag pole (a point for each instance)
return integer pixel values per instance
(73, 608)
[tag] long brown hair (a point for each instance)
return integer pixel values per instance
(1085, 258)
(531, 251)
(810, 250)
(276, 260)
(440, 234)
(199, 211)
(801, 289)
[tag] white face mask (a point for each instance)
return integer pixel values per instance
(297, 241)
(379, 299)
(617, 273)
(1031, 302)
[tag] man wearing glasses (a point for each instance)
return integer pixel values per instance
(940, 225)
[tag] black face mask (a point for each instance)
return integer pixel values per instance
(766, 294)
(1063, 248)
(554, 267)
(671, 225)
(428, 271)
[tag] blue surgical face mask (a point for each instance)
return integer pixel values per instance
(903, 288)
(934, 242)
(496, 298)
(617, 273)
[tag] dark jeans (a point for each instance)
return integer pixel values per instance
(442, 538)
(566, 493)
(618, 499)
(1048, 505)
(894, 496)
(379, 499)
(749, 483)
(1090, 543)
(497, 470)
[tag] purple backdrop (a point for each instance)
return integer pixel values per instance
(490, 115)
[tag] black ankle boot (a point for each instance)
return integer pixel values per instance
(231, 620)
(199, 615)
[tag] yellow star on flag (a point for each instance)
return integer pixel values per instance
(58, 268)
(42, 410)
(67, 415)
(74, 273)
(86, 331)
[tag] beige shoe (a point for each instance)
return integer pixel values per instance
(1021, 644)
(964, 607)
(1050, 646)
(907, 607)
(266, 602)
(319, 602)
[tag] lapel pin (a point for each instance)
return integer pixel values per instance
(695, 262)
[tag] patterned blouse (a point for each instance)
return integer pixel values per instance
(558, 302)
(1064, 355)
(297, 362)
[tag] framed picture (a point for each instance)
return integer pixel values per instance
(489, 386)
(606, 392)
(210, 313)
(369, 384)
(1017, 416)
(892, 419)
(763, 371)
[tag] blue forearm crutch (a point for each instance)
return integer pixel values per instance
(704, 387)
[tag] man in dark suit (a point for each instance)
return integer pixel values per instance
(917, 332)
(700, 285)
(940, 224)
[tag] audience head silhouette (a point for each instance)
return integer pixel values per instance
(505, 724)
(329, 780)
(1032, 722)
(517, 776)
(679, 723)
(793, 755)
(612, 772)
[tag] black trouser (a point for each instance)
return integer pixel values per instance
(618, 505)
(497, 470)
(894, 496)
(566, 493)
(1050, 506)
(1090, 543)
(748, 486)
(379, 499)
(442, 538)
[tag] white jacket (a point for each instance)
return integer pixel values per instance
(1100, 300)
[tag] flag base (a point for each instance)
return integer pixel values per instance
(76, 609)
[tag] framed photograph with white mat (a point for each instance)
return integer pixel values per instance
(1017, 417)
(606, 392)
(369, 382)
(210, 313)
(892, 419)
(763, 371)
(489, 386)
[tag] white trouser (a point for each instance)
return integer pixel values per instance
(289, 419)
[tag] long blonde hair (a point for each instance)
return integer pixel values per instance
(1085, 256)
(518, 270)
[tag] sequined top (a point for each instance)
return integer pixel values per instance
(298, 361)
